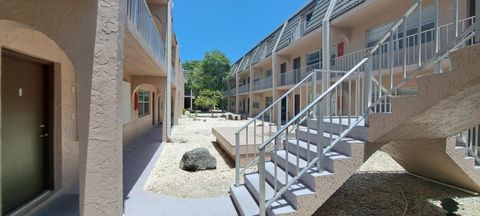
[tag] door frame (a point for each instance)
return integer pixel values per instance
(53, 110)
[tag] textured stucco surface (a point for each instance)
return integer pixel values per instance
(436, 159)
(446, 104)
(101, 189)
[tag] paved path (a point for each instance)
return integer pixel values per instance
(140, 157)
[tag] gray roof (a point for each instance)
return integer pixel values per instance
(318, 7)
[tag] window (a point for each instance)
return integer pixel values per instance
(256, 103)
(313, 60)
(268, 74)
(428, 23)
(308, 18)
(143, 103)
(268, 101)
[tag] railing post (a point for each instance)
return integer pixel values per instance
(261, 172)
(455, 18)
(419, 35)
(279, 115)
(237, 159)
(436, 68)
(368, 87)
(321, 145)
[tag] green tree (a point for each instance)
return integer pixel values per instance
(211, 72)
(208, 99)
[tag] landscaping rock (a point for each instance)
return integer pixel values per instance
(198, 159)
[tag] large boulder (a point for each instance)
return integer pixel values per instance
(198, 159)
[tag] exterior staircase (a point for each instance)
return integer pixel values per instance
(313, 188)
(315, 152)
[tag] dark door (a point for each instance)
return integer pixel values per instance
(248, 106)
(284, 110)
(26, 150)
(153, 108)
(296, 69)
(244, 105)
(283, 70)
(297, 104)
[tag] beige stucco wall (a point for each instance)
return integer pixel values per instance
(24, 39)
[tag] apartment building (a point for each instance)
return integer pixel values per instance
(341, 79)
(80, 79)
(294, 49)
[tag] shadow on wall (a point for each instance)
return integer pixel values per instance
(386, 193)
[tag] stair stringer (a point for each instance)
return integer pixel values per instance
(326, 186)
(436, 159)
(456, 150)
(446, 104)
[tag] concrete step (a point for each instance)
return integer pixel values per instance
(279, 207)
(344, 146)
(308, 152)
(283, 156)
(295, 191)
(359, 132)
(244, 201)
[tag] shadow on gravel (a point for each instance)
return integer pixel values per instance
(387, 193)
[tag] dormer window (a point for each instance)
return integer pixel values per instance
(308, 18)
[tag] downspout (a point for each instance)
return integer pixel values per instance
(168, 93)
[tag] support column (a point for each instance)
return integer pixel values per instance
(477, 23)
(250, 106)
(276, 75)
(237, 99)
(101, 167)
(168, 93)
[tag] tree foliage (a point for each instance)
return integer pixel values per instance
(208, 99)
(211, 72)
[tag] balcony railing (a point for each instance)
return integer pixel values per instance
(244, 88)
(262, 84)
(471, 140)
(229, 92)
(384, 58)
(139, 15)
(295, 76)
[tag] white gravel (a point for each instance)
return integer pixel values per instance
(168, 179)
(380, 186)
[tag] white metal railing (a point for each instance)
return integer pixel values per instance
(262, 84)
(139, 15)
(471, 139)
(381, 59)
(354, 104)
(244, 88)
(294, 76)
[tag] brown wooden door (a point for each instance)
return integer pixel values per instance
(26, 147)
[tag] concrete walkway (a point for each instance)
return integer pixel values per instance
(140, 157)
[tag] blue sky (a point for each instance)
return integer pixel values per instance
(232, 26)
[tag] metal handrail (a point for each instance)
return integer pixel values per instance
(369, 104)
(467, 35)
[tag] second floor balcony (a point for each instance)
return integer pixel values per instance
(262, 84)
(144, 46)
(244, 89)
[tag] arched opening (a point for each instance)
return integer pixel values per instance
(39, 141)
